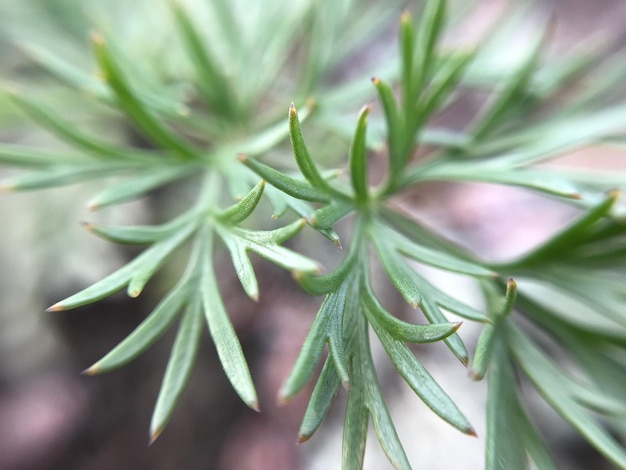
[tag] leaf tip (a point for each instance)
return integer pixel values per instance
(302, 438)
(375, 81)
(254, 405)
(405, 17)
(154, 435)
(292, 109)
(457, 325)
(134, 293)
(87, 225)
(92, 370)
(56, 307)
(242, 157)
(471, 432)
(476, 376)
(97, 38)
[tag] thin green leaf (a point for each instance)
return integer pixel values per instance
(303, 158)
(401, 330)
(322, 285)
(437, 258)
(329, 215)
(422, 382)
(510, 93)
(554, 387)
(21, 156)
(242, 210)
(428, 34)
(132, 105)
(356, 421)
(407, 42)
(395, 130)
(320, 401)
(221, 329)
(137, 186)
(284, 257)
(291, 186)
(545, 181)
(503, 449)
(158, 254)
(572, 235)
(441, 87)
(243, 266)
(484, 352)
(68, 132)
(64, 174)
(141, 267)
(150, 330)
(455, 344)
(358, 156)
(212, 83)
(401, 276)
(385, 430)
(140, 234)
(313, 346)
(182, 359)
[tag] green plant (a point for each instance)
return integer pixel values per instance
(216, 127)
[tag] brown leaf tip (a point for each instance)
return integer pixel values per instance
(476, 376)
(375, 81)
(302, 438)
(87, 225)
(155, 435)
(292, 109)
(242, 157)
(97, 38)
(91, 371)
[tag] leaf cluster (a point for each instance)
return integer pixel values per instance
(221, 139)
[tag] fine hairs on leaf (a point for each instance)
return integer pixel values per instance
(215, 136)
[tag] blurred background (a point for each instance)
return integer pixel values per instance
(53, 417)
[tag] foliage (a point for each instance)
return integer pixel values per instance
(213, 124)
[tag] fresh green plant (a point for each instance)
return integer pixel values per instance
(215, 126)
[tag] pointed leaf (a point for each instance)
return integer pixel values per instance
(291, 186)
(385, 430)
(327, 216)
(222, 331)
(182, 359)
(303, 158)
(320, 401)
(158, 254)
(401, 276)
(242, 210)
(356, 421)
(139, 185)
(401, 330)
(422, 382)
(212, 83)
(553, 386)
(454, 342)
(358, 156)
(68, 132)
(132, 105)
(313, 346)
(150, 330)
(503, 449)
(243, 266)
